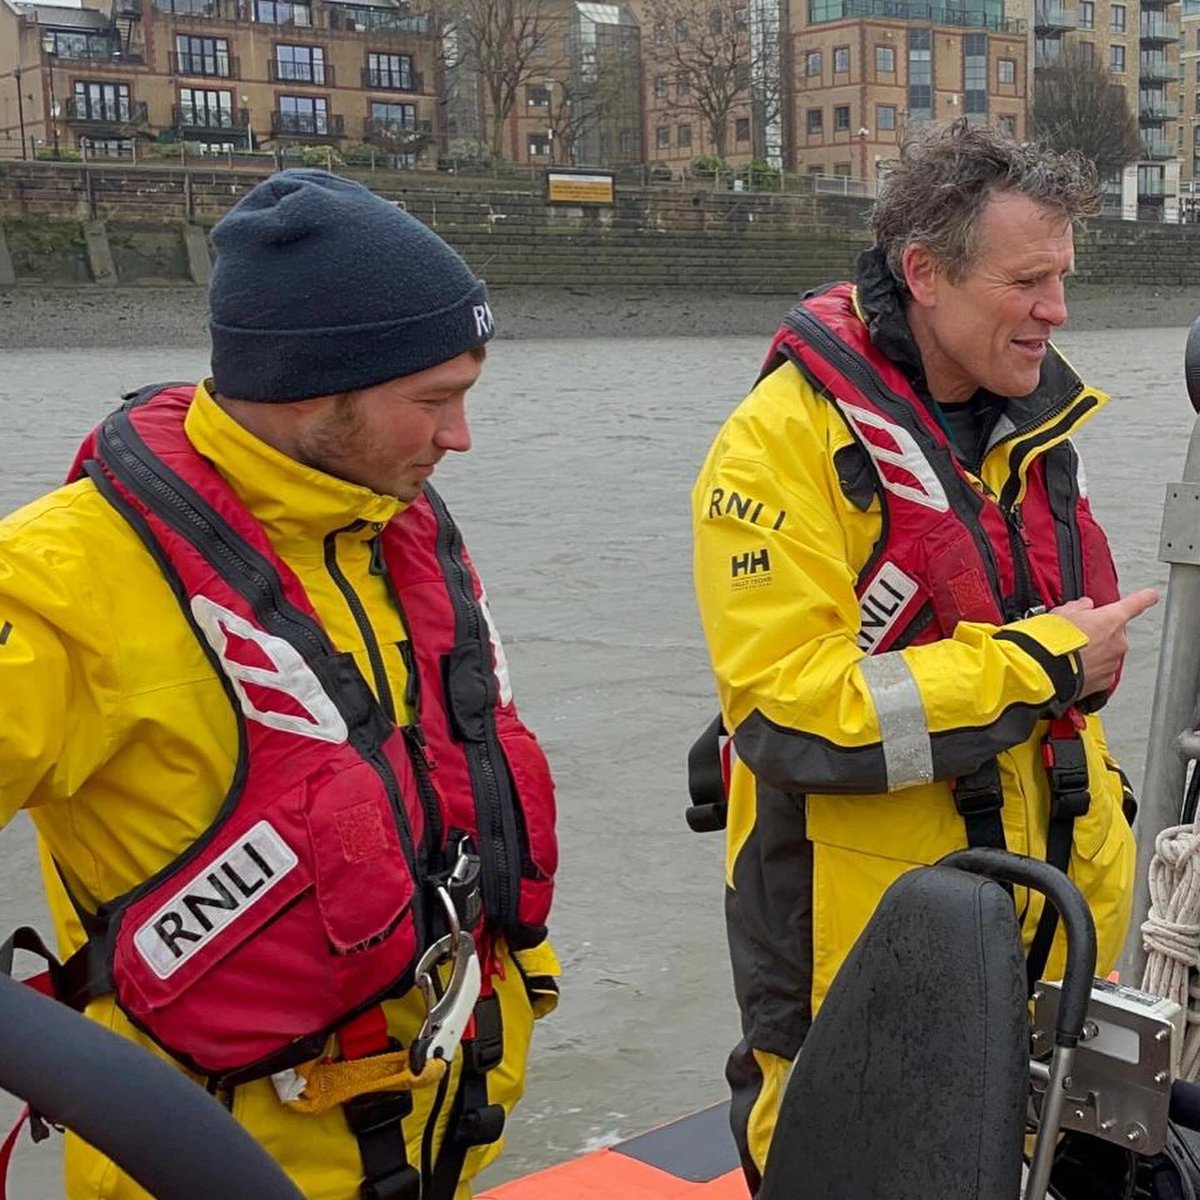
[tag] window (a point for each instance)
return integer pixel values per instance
(660, 87)
(281, 12)
(1006, 70)
(392, 71)
(303, 114)
(817, 169)
(202, 56)
(683, 88)
(539, 145)
(1007, 125)
(1087, 14)
(715, 21)
(741, 129)
(885, 60)
(202, 109)
(974, 74)
(537, 96)
(885, 116)
(662, 137)
(111, 147)
(102, 101)
(741, 18)
(1198, 104)
(683, 137)
(1198, 39)
(392, 118)
(1116, 18)
(1198, 70)
(841, 170)
(300, 64)
(1087, 53)
(841, 60)
(1116, 58)
(841, 118)
(84, 44)
(681, 31)
(815, 121)
(812, 63)
(920, 73)
(660, 34)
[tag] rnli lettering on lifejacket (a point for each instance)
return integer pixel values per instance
(220, 893)
(881, 604)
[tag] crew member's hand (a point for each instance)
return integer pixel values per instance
(1105, 629)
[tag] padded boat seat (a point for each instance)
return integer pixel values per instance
(922, 1042)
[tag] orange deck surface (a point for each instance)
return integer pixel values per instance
(606, 1175)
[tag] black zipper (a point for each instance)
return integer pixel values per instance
(414, 733)
(492, 808)
(1070, 567)
(383, 687)
(1025, 598)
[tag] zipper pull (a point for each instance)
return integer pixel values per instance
(378, 566)
(416, 739)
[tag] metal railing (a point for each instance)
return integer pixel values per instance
(189, 117)
(934, 14)
(211, 66)
(317, 125)
(1154, 28)
(1154, 68)
(1158, 110)
(1157, 148)
(1047, 17)
(106, 112)
(375, 80)
(311, 73)
(380, 129)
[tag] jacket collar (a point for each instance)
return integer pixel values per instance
(883, 310)
(297, 505)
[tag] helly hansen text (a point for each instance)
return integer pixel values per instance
(750, 563)
(215, 897)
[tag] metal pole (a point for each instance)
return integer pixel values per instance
(1173, 711)
(20, 109)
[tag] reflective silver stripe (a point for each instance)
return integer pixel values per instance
(903, 730)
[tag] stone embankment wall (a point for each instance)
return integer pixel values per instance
(68, 224)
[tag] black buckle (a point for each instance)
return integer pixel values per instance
(486, 1048)
(480, 1126)
(402, 1184)
(373, 1111)
(979, 792)
(462, 881)
(1067, 773)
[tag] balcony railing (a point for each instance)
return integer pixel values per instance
(381, 131)
(392, 81)
(220, 66)
(105, 112)
(311, 74)
(318, 125)
(1157, 148)
(1158, 31)
(1152, 112)
(189, 117)
(1054, 18)
(376, 20)
(199, 10)
(1154, 68)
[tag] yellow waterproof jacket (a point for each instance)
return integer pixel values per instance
(117, 737)
(808, 852)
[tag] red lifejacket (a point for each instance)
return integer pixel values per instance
(303, 903)
(951, 550)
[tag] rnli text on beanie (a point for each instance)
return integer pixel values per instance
(321, 287)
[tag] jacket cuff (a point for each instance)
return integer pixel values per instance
(540, 968)
(1061, 663)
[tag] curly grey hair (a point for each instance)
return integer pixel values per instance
(934, 195)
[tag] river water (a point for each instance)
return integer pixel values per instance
(574, 502)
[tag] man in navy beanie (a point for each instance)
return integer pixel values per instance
(311, 838)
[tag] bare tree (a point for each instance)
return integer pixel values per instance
(706, 50)
(501, 41)
(1078, 106)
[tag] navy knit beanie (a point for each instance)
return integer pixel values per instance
(321, 287)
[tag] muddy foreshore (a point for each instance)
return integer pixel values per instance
(34, 317)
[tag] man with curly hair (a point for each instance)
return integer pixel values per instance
(912, 613)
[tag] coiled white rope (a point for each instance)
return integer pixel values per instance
(1171, 933)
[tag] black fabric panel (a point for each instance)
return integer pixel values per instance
(806, 762)
(1062, 490)
(938, 979)
(960, 751)
(768, 913)
(1061, 668)
(698, 1148)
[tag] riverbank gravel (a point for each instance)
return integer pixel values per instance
(34, 317)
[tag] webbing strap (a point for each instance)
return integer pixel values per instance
(1065, 761)
(473, 1121)
(979, 798)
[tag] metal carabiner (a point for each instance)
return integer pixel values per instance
(450, 1011)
